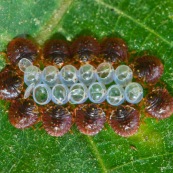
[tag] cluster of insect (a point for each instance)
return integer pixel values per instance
(88, 82)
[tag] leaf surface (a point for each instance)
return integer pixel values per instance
(146, 26)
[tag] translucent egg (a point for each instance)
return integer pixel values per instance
(24, 63)
(50, 75)
(32, 74)
(123, 75)
(105, 73)
(115, 95)
(68, 75)
(97, 92)
(42, 94)
(60, 94)
(78, 93)
(87, 74)
(133, 93)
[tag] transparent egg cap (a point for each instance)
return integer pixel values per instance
(29, 90)
(68, 75)
(115, 95)
(97, 92)
(32, 74)
(42, 94)
(60, 94)
(86, 74)
(24, 63)
(123, 75)
(50, 75)
(105, 73)
(133, 93)
(78, 93)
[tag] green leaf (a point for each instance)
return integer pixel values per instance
(146, 26)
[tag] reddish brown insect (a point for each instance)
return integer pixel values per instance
(56, 52)
(148, 69)
(125, 120)
(90, 119)
(85, 48)
(159, 103)
(114, 50)
(11, 84)
(23, 113)
(57, 120)
(20, 48)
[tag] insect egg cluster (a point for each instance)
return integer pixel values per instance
(76, 86)
(84, 82)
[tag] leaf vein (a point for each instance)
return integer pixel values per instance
(140, 159)
(53, 22)
(97, 154)
(120, 12)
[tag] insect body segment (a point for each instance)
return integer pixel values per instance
(11, 84)
(159, 103)
(90, 119)
(56, 52)
(23, 113)
(148, 69)
(125, 120)
(57, 120)
(85, 48)
(114, 50)
(20, 48)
